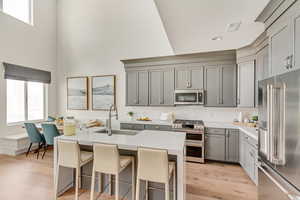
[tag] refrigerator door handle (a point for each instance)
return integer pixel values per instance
(260, 166)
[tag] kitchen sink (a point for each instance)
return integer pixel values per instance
(119, 132)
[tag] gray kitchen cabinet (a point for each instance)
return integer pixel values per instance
(137, 88)
(232, 145)
(296, 33)
(248, 156)
(132, 126)
(246, 84)
(242, 149)
(161, 87)
(262, 68)
(215, 147)
(158, 127)
(220, 86)
(189, 77)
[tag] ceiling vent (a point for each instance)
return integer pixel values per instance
(234, 27)
(217, 38)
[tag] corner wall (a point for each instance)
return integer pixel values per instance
(33, 46)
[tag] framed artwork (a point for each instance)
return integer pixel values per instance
(103, 92)
(77, 93)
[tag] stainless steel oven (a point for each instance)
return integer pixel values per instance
(188, 97)
(194, 147)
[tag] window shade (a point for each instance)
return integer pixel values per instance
(17, 72)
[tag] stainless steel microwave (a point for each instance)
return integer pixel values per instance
(188, 97)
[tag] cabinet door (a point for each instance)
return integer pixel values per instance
(181, 78)
(262, 68)
(241, 149)
(280, 49)
(246, 89)
(212, 85)
(196, 78)
(155, 87)
(168, 87)
(215, 147)
(296, 31)
(232, 145)
(161, 87)
(227, 86)
(131, 88)
(143, 88)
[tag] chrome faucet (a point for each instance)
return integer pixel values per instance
(108, 122)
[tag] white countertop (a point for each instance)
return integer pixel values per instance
(152, 122)
(252, 132)
(249, 131)
(172, 141)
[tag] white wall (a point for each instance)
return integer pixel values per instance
(94, 35)
(33, 46)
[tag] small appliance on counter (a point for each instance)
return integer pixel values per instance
(194, 142)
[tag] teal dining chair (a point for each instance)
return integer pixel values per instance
(50, 131)
(35, 137)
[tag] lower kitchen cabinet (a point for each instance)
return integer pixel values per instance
(248, 156)
(232, 145)
(215, 147)
(222, 144)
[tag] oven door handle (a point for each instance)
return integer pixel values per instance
(193, 144)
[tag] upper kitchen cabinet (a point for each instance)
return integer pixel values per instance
(280, 48)
(153, 81)
(137, 88)
(283, 29)
(161, 87)
(220, 85)
(246, 82)
(189, 77)
(262, 63)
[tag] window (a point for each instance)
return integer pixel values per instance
(20, 9)
(25, 101)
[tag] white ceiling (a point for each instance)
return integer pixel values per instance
(191, 24)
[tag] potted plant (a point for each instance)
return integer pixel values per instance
(130, 114)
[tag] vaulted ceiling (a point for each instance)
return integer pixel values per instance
(191, 24)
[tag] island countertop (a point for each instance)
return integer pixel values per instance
(172, 141)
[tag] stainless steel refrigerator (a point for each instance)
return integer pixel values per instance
(279, 137)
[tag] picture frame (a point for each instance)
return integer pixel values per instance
(103, 93)
(78, 93)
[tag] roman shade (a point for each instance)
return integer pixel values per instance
(17, 72)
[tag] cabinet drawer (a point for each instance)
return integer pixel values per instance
(218, 131)
(158, 127)
(133, 126)
(251, 141)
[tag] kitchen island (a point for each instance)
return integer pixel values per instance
(128, 144)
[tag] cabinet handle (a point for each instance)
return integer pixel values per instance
(290, 61)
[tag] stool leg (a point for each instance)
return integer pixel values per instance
(137, 196)
(133, 179)
(100, 181)
(110, 184)
(56, 182)
(77, 183)
(174, 185)
(79, 178)
(167, 191)
(147, 190)
(93, 184)
(117, 186)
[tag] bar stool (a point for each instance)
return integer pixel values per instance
(69, 155)
(154, 166)
(108, 161)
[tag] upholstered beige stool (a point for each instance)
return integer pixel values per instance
(108, 161)
(154, 166)
(69, 155)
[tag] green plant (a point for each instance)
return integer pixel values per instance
(130, 114)
(255, 118)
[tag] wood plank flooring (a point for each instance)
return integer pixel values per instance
(25, 178)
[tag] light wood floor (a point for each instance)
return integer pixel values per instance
(25, 178)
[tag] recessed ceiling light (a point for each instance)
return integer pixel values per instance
(233, 27)
(217, 38)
